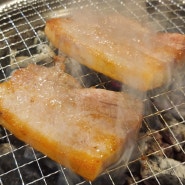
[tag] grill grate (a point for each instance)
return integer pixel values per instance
(160, 153)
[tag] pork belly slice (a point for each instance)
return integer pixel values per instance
(118, 47)
(86, 130)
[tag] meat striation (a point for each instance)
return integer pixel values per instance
(118, 47)
(84, 129)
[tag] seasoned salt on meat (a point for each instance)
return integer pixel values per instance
(86, 130)
(118, 47)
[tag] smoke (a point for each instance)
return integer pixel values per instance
(89, 14)
(135, 42)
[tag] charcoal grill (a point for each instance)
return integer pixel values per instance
(162, 137)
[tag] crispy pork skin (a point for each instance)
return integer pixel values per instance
(117, 47)
(86, 130)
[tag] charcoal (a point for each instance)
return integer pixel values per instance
(166, 170)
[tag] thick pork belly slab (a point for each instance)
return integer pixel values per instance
(118, 47)
(86, 130)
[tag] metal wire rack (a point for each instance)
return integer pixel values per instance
(160, 151)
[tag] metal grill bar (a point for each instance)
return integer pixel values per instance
(166, 17)
(17, 167)
(160, 150)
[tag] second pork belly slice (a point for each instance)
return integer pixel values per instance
(86, 130)
(117, 47)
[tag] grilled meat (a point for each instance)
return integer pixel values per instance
(117, 47)
(86, 130)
